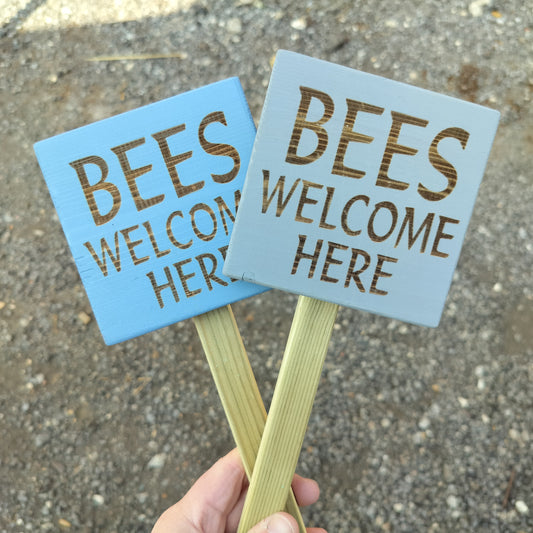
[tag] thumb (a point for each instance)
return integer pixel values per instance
(276, 523)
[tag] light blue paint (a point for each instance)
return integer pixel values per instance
(263, 245)
(124, 302)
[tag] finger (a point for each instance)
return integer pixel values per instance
(222, 482)
(276, 523)
(215, 494)
(306, 490)
(234, 517)
(209, 501)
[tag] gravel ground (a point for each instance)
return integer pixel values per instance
(413, 429)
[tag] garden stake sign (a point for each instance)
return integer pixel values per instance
(147, 200)
(358, 193)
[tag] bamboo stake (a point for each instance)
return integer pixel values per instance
(290, 410)
(238, 390)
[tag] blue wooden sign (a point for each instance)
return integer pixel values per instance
(359, 190)
(147, 201)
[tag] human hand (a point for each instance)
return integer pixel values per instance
(214, 503)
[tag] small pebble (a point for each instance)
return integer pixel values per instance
(476, 7)
(463, 402)
(424, 423)
(452, 501)
(157, 461)
(84, 318)
(398, 507)
(480, 371)
(234, 26)
(521, 507)
(497, 287)
(98, 500)
(299, 24)
(513, 434)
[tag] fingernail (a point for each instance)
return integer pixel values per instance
(278, 524)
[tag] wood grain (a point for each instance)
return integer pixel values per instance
(237, 389)
(290, 410)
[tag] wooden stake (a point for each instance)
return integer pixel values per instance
(238, 390)
(290, 410)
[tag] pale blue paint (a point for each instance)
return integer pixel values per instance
(124, 302)
(263, 246)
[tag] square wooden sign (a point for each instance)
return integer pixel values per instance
(359, 190)
(147, 200)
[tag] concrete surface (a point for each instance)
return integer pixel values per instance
(413, 429)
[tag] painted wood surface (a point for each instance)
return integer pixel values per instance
(359, 192)
(147, 201)
(359, 189)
